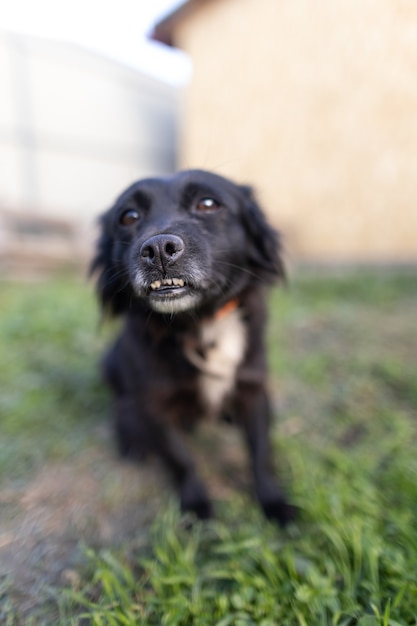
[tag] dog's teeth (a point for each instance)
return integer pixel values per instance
(177, 282)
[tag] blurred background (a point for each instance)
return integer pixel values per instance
(314, 104)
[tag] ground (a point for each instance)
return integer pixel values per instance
(342, 354)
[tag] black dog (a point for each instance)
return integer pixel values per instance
(186, 260)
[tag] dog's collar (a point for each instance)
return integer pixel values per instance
(227, 308)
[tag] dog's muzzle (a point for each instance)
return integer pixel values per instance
(168, 292)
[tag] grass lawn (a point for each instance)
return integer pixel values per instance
(86, 539)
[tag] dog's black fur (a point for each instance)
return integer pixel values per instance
(210, 235)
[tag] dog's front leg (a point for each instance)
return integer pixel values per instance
(139, 432)
(254, 416)
(167, 442)
(175, 454)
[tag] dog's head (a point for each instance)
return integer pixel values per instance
(182, 243)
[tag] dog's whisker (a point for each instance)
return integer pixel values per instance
(238, 267)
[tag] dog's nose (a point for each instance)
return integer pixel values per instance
(162, 250)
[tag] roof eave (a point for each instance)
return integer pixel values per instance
(163, 31)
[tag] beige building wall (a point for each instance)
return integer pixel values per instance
(315, 103)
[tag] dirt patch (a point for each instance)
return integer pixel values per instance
(96, 500)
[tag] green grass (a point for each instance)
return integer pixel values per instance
(343, 354)
(48, 341)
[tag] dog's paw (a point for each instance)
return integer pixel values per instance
(203, 509)
(194, 499)
(279, 510)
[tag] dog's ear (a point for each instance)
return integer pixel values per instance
(264, 242)
(112, 286)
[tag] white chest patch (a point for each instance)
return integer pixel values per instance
(224, 340)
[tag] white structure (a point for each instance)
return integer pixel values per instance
(75, 129)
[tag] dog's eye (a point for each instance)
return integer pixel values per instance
(208, 205)
(129, 217)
